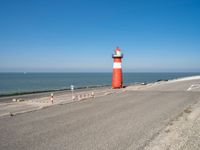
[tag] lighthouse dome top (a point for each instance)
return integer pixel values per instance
(117, 53)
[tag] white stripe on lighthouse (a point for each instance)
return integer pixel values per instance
(117, 65)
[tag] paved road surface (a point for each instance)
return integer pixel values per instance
(120, 121)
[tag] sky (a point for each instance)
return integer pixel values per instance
(81, 35)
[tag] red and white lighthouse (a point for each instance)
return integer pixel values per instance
(117, 79)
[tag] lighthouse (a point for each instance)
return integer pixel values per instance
(117, 79)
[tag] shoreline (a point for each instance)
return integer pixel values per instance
(44, 93)
(38, 95)
(19, 90)
(76, 88)
(47, 91)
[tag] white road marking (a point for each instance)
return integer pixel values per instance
(194, 86)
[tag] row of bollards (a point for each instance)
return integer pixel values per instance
(77, 97)
(83, 96)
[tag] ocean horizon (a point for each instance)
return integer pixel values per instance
(27, 82)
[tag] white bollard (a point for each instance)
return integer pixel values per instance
(79, 97)
(14, 100)
(93, 95)
(52, 98)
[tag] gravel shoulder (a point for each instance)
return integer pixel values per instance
(182, 133)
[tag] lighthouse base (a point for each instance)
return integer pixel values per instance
(117, 81)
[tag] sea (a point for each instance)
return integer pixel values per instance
(21, 83)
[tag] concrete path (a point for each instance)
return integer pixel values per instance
(129, 119)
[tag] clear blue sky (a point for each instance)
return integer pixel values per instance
(80, 35)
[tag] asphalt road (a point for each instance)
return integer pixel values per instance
(121, 121)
